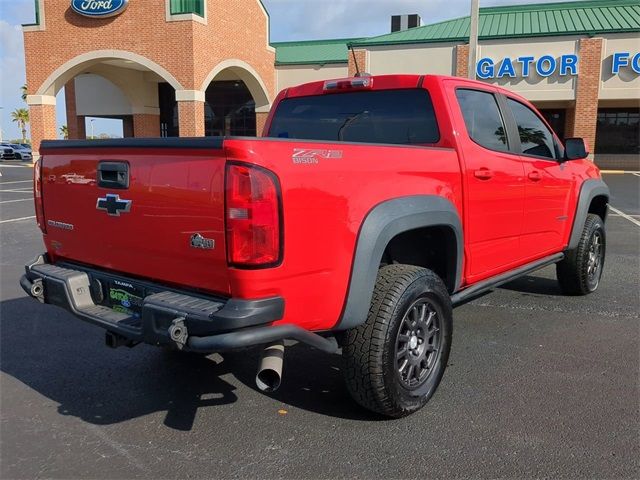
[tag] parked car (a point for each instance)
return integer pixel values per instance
(7, 152)
(371, 208)
(21, 152)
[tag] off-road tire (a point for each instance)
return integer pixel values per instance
(573, 272)
(370, 350)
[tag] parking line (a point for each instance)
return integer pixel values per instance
(14, 201)
(22, 190)
(624, 215)
(17, 219)
(21, 181)
(616, 215)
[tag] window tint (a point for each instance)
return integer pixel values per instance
(535, 137)
(404, 117)
(618, 131)
(482, 118)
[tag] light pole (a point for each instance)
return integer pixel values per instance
(92, 135)
(473, 38)
(1, 118)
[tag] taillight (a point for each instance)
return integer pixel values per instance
(252, 217)
(37, 195)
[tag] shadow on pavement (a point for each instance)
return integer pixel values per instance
(65, 360)
(534, 285)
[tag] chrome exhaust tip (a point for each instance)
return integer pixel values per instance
(269, 375)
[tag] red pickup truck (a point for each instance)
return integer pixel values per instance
(370, 207)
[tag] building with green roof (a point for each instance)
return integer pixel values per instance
(208, 67)
(579, 62)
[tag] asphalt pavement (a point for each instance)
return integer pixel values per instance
(538, 385)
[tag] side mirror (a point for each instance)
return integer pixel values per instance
(575, 149)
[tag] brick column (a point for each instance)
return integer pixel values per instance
(127, 126)
(191, 119)
(261, 120)
(462, 61)
(190, 112)
(73, 122)
(42, 118)
(569, 122)
(361, 56)
(585, 115)
(82, 127)
(146, 125)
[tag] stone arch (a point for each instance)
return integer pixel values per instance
(249, 76)
(70, 69)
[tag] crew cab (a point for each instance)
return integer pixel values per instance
(368, 210)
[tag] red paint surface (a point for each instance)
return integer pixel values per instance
(508, 219)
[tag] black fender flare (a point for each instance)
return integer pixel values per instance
(590, 189)
(380, 226)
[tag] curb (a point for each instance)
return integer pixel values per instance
(10, 163)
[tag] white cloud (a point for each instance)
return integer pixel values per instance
(311, 19)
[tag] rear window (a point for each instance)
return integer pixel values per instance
(404, 117)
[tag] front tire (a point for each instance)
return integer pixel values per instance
(394, 362)
(581, 270)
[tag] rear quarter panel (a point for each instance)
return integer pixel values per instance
(325, 204)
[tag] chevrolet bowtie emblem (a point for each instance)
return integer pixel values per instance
(113, 205)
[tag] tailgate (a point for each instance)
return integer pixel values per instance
(155, 211)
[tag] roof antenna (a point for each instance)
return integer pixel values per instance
(355, 60)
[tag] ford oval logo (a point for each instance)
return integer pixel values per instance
(99, 8)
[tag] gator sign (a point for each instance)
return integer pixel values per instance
(99, 8)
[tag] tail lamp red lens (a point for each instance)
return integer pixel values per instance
(252, 217)
(37, 195)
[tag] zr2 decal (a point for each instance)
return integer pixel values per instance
(313, 156)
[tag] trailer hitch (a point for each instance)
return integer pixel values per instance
(179, 333)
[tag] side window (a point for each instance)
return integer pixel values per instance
(482, 118)
(535, 137)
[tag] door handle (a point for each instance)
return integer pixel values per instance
(483, 174)
(113, 175)
(535, 176)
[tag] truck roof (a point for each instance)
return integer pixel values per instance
(392, 81)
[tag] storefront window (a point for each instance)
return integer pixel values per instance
(179, 7)
(557, 119)
(229, 110)
(168, 111)
(36, 22)
(618, 131)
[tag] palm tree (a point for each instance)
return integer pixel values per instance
(64, 131)
(24, 92)
(21, 117)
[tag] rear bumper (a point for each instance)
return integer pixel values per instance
(168, 317)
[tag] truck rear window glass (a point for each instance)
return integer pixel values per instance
(404, 117)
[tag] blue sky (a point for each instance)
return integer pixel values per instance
(290, 20)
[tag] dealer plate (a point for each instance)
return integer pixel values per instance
(126, 298)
